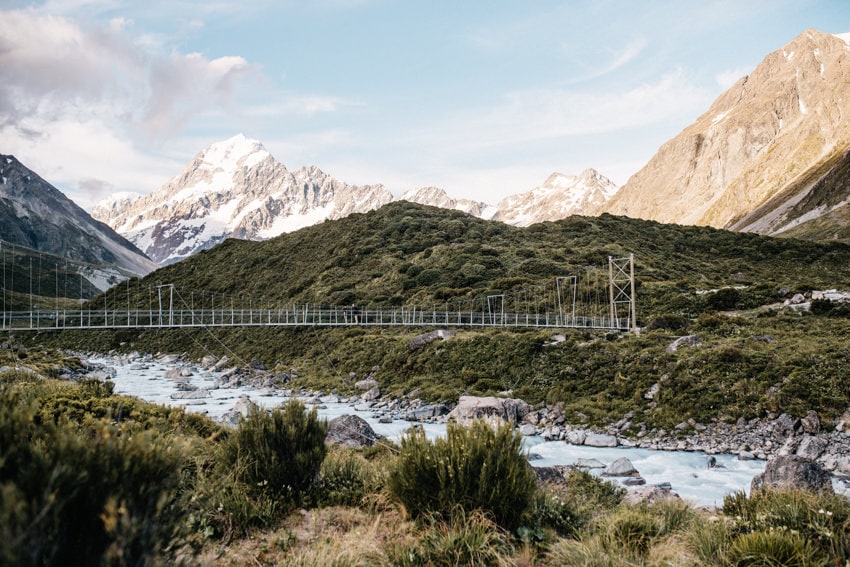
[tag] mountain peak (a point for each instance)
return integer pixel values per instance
(233, 152)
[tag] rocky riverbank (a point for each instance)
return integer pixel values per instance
(809, 437)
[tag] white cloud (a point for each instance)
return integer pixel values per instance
(728, 78)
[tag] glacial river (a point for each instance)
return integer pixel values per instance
(686, 471)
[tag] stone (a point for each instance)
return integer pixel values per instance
(191, 395)
(793, 472)
(785, 425)
(811, 423)
(650, 494)
(421, 340)
(652, 392)
(245, 407)
(556, 474)
(633, 481)
(224, 361)
(600, 440)
(811, 447)
(351, 431)
(366, 384)
(621, 467)
(686, 341)
(589, 464)
(746, 456)
(576, 436)
(372, 394)
(426, 412)
(527, 430)
(490, 409)
(842, 423)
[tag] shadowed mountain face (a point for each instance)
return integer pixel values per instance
(35, 214)
(752, 162)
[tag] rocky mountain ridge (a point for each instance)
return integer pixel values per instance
(236, 189)
(36, 215)
(753, 161)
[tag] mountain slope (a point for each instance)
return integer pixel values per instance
(234, 188)
(749, 162)
(36, 215)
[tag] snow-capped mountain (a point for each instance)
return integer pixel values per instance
(559, 197)
(436, 197)
(234, 188)
(36, 215)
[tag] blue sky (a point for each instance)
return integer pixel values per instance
(483, 99)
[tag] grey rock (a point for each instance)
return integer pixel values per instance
(746, 456)
(192, 395)
(600, 440)
(811, 447)
(366, 384)
(633, 481)
(793, 472)
(811, 423)
(351, 431)
(621, 467)
(556, 474)
(527, 430)
(577, 436)
(372, 394)
(650, 494)
(589, 464)
(491, 409)
(426, 412)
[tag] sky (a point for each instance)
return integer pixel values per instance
(480, 98)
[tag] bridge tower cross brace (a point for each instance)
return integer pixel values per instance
(621, 285)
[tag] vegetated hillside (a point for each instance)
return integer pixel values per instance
(753, 360)
(406, 253)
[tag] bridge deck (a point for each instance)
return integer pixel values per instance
(296, 316)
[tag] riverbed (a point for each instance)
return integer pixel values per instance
(687, 471)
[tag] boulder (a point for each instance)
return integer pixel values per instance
(244, 406)
(843, 421)
(351, 431)
(589, 464)
(426, 412)
(577, 436)
(556, 474)
(600, 440)
(811, 423)
(527, 430)
(793, 472)
(199, 394)
(490, 409)
(811, 447)
(650, 494)
(621, 467)
(785, 425)
(373, 394)
(366, 384)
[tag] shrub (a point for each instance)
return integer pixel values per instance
(278, 453)
(630, 530)
(773, 549)
(474, 468)
(88, 495)
(822, 519)
(462, 539)
(346, 477)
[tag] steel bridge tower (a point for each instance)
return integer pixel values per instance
(621, 285)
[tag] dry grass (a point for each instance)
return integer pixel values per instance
(328, 536)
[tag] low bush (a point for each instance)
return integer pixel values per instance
(475, 468)
(277, 453)
(346, 478)
(73, 495)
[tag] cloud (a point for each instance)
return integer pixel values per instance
(728, 78)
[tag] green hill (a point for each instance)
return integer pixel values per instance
(755, 357)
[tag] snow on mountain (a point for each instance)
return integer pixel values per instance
(559, 197)
(235, 189)
(436, 197)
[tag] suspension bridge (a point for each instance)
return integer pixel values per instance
(567, 302)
